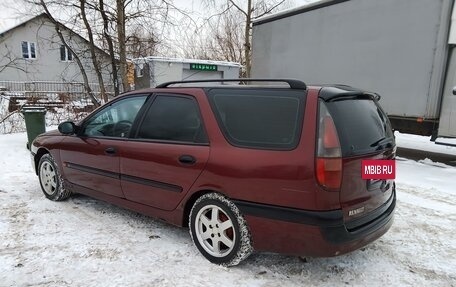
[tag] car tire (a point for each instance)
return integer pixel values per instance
(219, 230)
(50, 179)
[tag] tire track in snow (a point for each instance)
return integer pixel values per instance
(426, 198)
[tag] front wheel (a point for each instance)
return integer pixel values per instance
(219, 230)
(50, 180)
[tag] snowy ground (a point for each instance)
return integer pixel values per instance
(423, 143)
(85, 242)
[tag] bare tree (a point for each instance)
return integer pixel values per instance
(112, 34)
(227, 38)
(141, 42)
(110, 42)
(129, 28)
(121, 37)
(9, 60)
(58, 30)
(82, 7)
(221, 40)
(249, 10)
(124, 29)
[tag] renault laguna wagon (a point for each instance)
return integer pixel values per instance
(246, 167)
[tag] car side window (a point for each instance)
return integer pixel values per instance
(116, 119)
(173, 118)
(259, 119)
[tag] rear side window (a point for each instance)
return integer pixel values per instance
(264, 119)
(362, 125)
(173, 118)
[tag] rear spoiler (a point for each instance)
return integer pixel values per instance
(340, 92)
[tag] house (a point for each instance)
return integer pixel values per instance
(151, 71)
(32, 52)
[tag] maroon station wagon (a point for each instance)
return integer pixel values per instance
(246, 167)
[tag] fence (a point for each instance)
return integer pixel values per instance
(63, 101)
(52, 87)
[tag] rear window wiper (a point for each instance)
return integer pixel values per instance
(384, 141)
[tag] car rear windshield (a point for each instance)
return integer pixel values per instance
(264, 119)
(362, 125)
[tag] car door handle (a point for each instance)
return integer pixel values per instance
(187, 159)
(110, 151)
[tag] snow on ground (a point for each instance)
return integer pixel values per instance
(424, 143)
(85, 242)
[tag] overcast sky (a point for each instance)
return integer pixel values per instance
(12, 11)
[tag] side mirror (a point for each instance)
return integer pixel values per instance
(454, 91)
(67, 128)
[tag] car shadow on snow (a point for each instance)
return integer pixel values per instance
(103, 211)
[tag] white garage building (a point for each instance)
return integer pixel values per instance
(152, 71)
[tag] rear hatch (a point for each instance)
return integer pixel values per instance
(364, 133)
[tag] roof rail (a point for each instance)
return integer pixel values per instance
(294, 84)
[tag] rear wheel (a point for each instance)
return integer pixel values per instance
(219, 230)
(50, 180)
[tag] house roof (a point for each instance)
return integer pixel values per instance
(44, 15)
(20, 24)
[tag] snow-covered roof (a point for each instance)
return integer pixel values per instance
(181, 60)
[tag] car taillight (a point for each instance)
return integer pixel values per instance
(328, 154)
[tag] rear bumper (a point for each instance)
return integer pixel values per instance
(313, 233)
(354, 230)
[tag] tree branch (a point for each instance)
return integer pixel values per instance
(237, 7)
(76, 57)
(269, 10)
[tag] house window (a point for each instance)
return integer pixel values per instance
(28, 50)
(65, 54)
